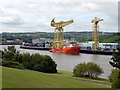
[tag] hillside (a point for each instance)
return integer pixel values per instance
(15, 78)
(105, 37)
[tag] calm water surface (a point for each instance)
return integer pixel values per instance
(68, 62)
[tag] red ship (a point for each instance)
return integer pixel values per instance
(71, 49)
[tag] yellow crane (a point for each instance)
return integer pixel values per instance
(59, 33)
(95, 36)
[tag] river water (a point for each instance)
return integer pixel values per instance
(68, 62)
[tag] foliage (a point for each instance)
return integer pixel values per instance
(18, 57)
(43, 63)
(115, 59)
(87, 70)
(79, 36)
(109, 39)
(0, 54)
(93, 70)
(115, 75)
(114, 78)
(26, 57)
(12, 64)
(81, 39)
(79, 70)
(8, 54)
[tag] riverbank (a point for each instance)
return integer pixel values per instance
(67, 62)
(15, 78)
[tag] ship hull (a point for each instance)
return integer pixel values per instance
(68, 50)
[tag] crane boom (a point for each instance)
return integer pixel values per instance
(59, 34)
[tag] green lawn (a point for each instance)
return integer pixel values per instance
(15, 78)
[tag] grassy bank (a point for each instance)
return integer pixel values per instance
(15, 78)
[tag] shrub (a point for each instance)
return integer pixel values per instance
(0, 54)
(114, 78)
(42, 63)
(12, 64)
(25, 59)
(79, 70)
(8, 54)
(87, 70)
(93, 70)
(115, 62)
(18, 57)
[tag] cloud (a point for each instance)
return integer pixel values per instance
(29, 15)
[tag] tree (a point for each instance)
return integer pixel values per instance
(93, 70)
(25, 59)
(18, 57)
(42, 63)
(87, 70)
(79, 70)
(115, 59)
(8, 54)
(115, 75)
(13, 58)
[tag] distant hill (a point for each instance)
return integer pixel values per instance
(79, 36)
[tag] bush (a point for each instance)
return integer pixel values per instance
(93, 70)
(12, 64)
(79, 70)
(8, 54)
(42, 63)
(18, 57)
(87, 70)
(114, 78)
(25, 58)
(115, 62)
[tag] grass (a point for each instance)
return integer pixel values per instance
(15, 78)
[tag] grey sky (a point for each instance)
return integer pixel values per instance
(35, 15)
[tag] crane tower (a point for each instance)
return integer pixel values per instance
(59, 33)
(95, 29)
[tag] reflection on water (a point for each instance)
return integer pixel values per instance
(68, 62)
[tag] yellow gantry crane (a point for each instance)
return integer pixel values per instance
(59, 33)
(95, 36)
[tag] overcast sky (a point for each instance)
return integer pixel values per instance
(36, 15)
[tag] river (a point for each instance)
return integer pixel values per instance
(68, 62)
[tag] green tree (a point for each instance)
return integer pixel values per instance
(18, 57)
(25, 58)
(79, 70)
(115, 62)
(93, 70)
(87, 70)
(42, 63)
(8, 54)
(115, 59)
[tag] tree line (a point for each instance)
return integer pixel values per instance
(13, 58)
(79, 36)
